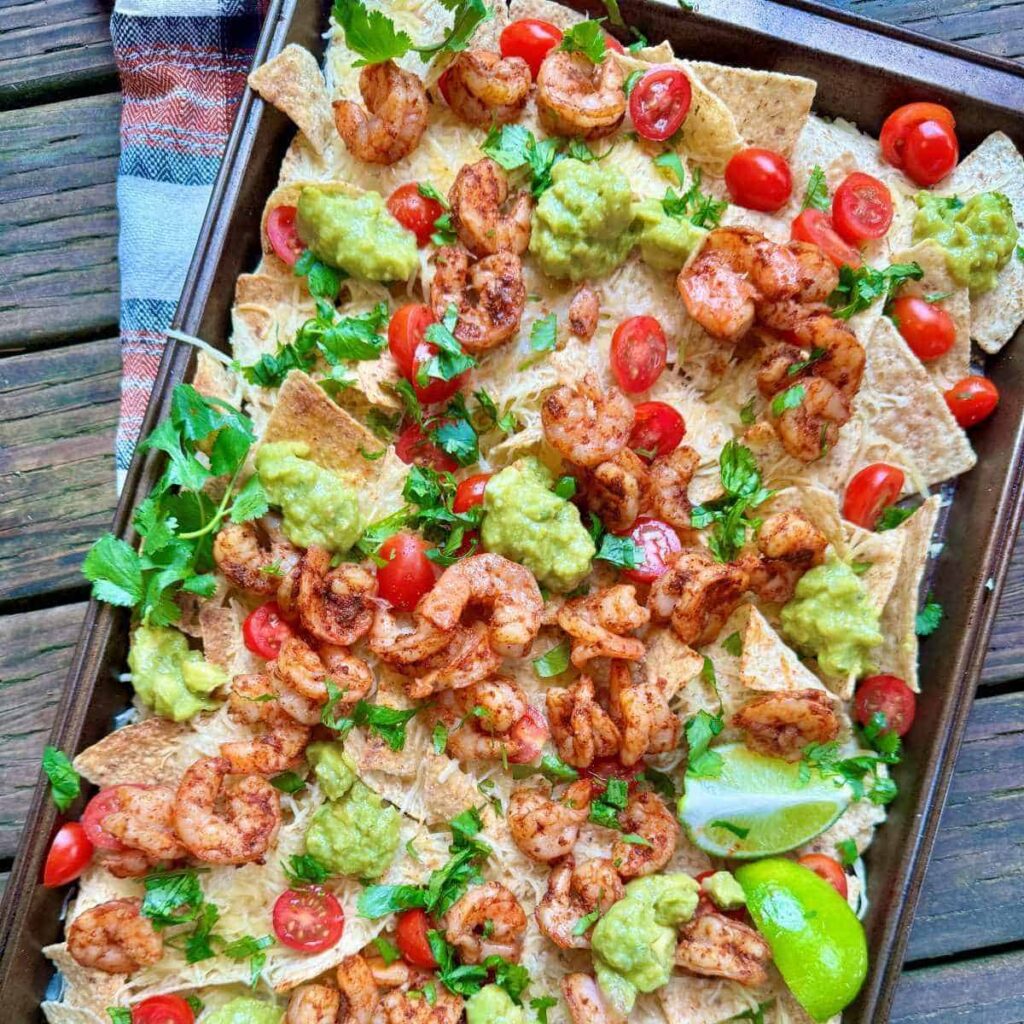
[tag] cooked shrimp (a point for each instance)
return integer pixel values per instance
(353, 1002)
(391, 124)
(479, 214)
(479, 719)
(697, 595)
(585, 424)
(114, 937)
(719, 947)
(584, 311)
(125, 863)
(335, 605)
(489, 296)
(641, 711)
(249, 562)
(648, 817)
(788, 545)
(581, 728)
(573, 893)
(254, 700)
(485, 88)
(544, 828)
(405, 648)
(782, 723)
(668, 495)
(598, 623)
(504, 587)
(317, 1004)
(586, 1002)
(305, 671)
(810, 430)
(144, 821)
(577, 97)
(614, 490)
(717, 296)
(467, 659)
(224, 824)
(487, 921)
(842, 359)
(407, 1008)
(817, 274)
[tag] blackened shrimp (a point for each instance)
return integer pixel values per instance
(581, 728)
(598, 624)
(479, 720)
(576, 97)
(641, 711)
(615, 490)
(809, 430)
(144, 821)
(782, 723)
(718, 296)
(545, 828)
(484, 88)
(484, 219)
(788, 544)
(352, 1002)
(412, 1008)
(114, 937)
(668, 489)
(487, 921)
(305, 672)
(573, 893)
(584, 311)
(280, 739)
(719, 947)
(335, 605)
(584, 424)
(405, 648)
(250, 561)
(647, 816)
(467, 659)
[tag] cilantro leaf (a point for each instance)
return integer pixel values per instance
(791, 398)
(544, 333)
(305, 869)
(702, 210)
(859, 287)
(468, 15)
(119, 1015)
(251, 501)
(553, 662)
(541, 1006)
(458, 438)
(551, 766)
(450, 359)
(172, 897)
(847, 850)
(386, 722)
(929, 617)
(670, 161)
(700, 731)
(661, 783)
(65, 784)
(733, 644)
(893, 516)
(113, 568)
(323, 281)
(586, 37)
(622, 552)
(371, 34)
(513, 146)
(606, 807)
(388, 950)
(816, 194)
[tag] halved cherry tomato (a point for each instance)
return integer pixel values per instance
(613, 44)
(406, 342)
(638, 353)
(264, 630)
(415, 449)
(658, 542)
(814, 226)
(972, 399)
(891, 696)
(284, 238)
(870, 492)
(659, 103)
(527, 736)
(927, 328)
(414, 211)
(310, 919)
(470, 492)
(602, 769)
(932, 155)
(861, 208)
(105, 802)
(70, 853)
(737, 914)
(163, 1010)
(411, 936)
(828, 868)
(759, 179)
(407, 573)
(531, 39)
(657, 430)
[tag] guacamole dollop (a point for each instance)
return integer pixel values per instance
(333, 769)
(245, 1011)
(526, 521)
(634, 944)
(357, 234)
(168, 677)
(319, 507)
(665, 242)
(978, 235)
(583, 225)
(357, 835)
(493, 1005)
(725, 892)
(831, 616)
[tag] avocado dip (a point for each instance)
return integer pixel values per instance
(725, 892)
(245, 1011)
(493, 1005)
(665, 242)
(356, 835)
(332, 768)
(168, 677)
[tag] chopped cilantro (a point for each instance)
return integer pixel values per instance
(288, 782)
(586, 37)
(552, 662)
(606, 807)
(65, 784)
(791, 398)
(859, 287)
(816, 194)
(700, 730)
(929, 617)
(544, 333)
(847, 850)
(892, 516)
(733, 644)
(551, 766)
(305, 869)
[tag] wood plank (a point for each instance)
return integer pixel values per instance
(56, 463)
(1005, 660)
(54, 48)
(58, 219)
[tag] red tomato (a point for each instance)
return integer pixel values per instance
(927, 328)
(531, 39)
(871, 491)
(309, 919)
(658, 542)
(814, 226)
(70, 853)
(413, 448)
(284, 239)
(972, 399)
(828, 868)
(163, 1010)
(931, 152)
(408, 574)
(891, 696)
(861, 208)
(406, 342)
(657, 429)
(604, 768)
(442, 84)
(528, 736)
(613, 44)
(264, 631)
(659, 103)
(470, 492)
(638, 353)
(895, 139)
(411, 936)
(759, 179)
(737, 914)
(414, 211)
(105, 802)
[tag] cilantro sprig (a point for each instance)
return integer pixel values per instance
(702, 210)
(702, 762)
(381, 720)
(65, 783)
(816, 194)
(859, 287)
(586, 37)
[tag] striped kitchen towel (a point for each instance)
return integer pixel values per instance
(183, 65)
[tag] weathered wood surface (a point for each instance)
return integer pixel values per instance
(986, 990)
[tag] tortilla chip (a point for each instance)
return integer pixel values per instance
(146, 750)
(768, 664)
(858, 822)
(86, 989)
(221, 630)
(698, 1000)
(883, 552)
(372, 377)
(59, 1013)
(293, 83)
(272, 284)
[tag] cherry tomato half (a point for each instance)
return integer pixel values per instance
(891, 696)
(264, 630)
(972, 399)
(470, 492)
(414, 211)
(828, 868)
(613, 44)
(531, 39)
(638, 353)
(284, 238)
(931, 155)
(861, 208)
(657, 430)
(406, 342)
(105, 802)
(528, 736)
(310, 919)
(927, 328)
(814, 226)
(407, 573)
(759, 179)
(70, 853)
(415, 449)
(870, 492)
(931, 151)
(660, 102)
(658, 542)
(163, 1010)
(411, 936)
(602, 769)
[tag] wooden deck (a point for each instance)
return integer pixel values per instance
(59, 370)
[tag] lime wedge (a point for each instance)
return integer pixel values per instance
(757, 806)
(817, 942)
